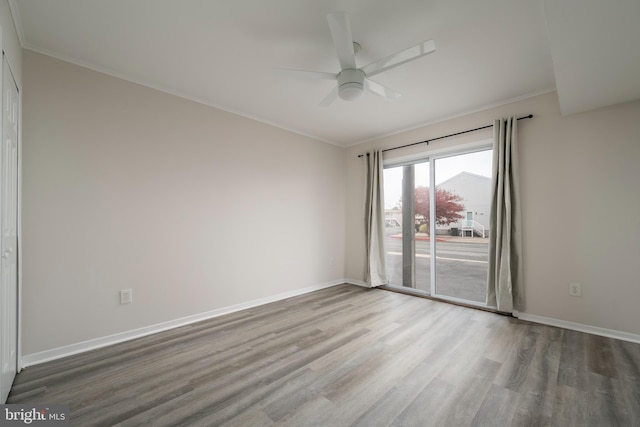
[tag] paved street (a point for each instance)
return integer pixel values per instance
(461, 265)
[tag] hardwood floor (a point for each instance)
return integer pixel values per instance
(349, 356)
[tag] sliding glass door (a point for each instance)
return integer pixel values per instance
(463, 199)
(449, 219)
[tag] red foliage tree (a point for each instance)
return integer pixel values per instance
(448, 206)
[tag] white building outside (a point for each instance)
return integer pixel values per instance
(475, 191)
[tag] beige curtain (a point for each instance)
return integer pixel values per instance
(376, 273)
(504, 289)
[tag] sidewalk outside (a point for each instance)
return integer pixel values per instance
(445, 238)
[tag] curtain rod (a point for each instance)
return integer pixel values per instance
(427, 141)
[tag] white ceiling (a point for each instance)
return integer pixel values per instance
(595, 46)
(222, 53)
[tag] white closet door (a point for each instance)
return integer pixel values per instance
(9, 224)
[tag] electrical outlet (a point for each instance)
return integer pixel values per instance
(575, 289)
(126, 296)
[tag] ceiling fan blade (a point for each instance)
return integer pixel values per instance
(342, 40)
(381, 90)
(399, 58)
(304, 74)
(332, 96)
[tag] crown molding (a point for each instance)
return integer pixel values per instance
(455, 116)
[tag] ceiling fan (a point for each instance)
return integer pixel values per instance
(352, 81)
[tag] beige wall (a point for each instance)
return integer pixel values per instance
(192, 207)
(581, 206)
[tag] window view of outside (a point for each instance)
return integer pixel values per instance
(419, 262)
(462, 203)
(463, 247)
(393, 224)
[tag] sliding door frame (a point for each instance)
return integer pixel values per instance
(431, 156)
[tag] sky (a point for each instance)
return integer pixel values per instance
(447, 167)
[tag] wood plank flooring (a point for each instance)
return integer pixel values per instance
(348, 356)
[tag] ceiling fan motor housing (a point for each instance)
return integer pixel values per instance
(351, 84)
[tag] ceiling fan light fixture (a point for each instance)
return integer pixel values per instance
(351, 84)
(350, 91)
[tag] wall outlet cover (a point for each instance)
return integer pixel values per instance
(126, 296)
(575, 289)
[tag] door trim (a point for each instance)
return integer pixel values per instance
(19, 365)
(19, 214)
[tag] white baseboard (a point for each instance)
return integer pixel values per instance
(357, 283)
(81, 347)
(609, 333)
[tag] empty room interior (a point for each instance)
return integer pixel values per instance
(328, 213)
